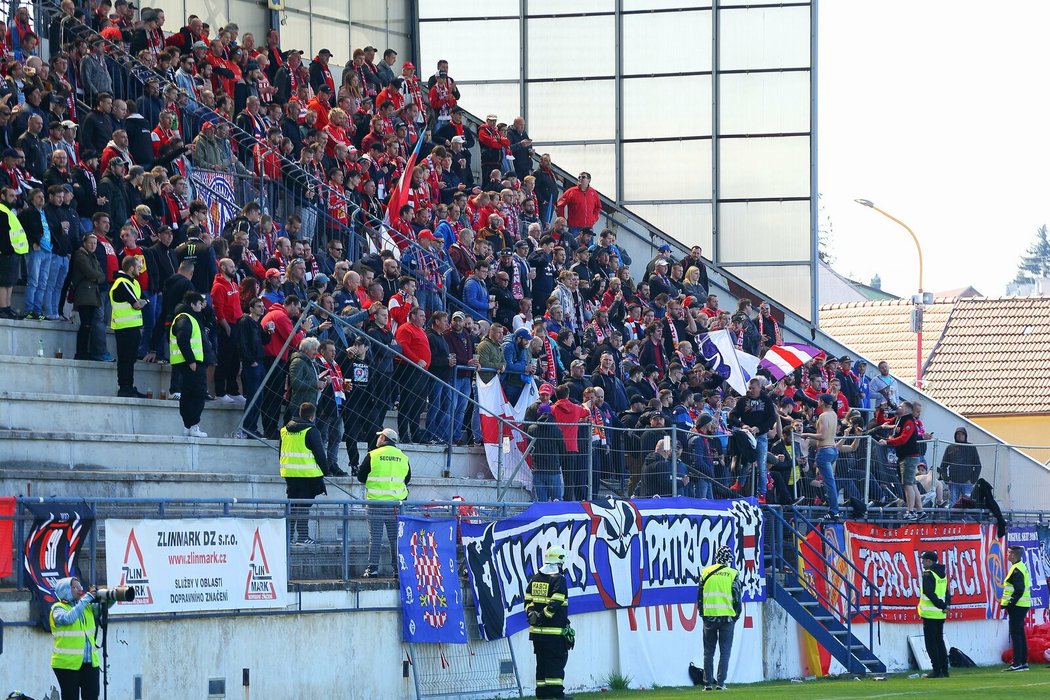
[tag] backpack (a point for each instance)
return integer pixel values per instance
(696, 675)
(959, 660)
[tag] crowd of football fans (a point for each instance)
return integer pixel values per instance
(488, 268)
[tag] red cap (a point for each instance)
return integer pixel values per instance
(546, 389)
(408, 64)
(273, 272)
(426, 235)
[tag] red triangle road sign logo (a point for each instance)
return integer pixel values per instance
(133, 572)
(259, 585)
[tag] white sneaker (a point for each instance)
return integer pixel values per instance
(175, 396)
(186, 431)
(226, 398)
(239, 398)
(196, 432)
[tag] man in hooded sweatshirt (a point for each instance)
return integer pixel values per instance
(933, 609)
(75, 658)
(960, 466)
(303, 465)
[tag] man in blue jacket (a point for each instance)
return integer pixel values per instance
(518, 364)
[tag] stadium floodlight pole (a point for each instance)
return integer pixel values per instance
(919, 300)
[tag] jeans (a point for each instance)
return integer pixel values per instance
(761, 450)
(331, 428)
(251, 379)
(150, 318)
(718, 631)
(98, 333)
(53, 301)
(380, 518)
(548, 486)
(462, 384)
(704, 488)
(958, 491)
(39, 270)
(439, 414)
(826, 457)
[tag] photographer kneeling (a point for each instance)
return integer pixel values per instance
(75, 658)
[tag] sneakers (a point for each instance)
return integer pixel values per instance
(175, 395)
(240, 435)
(194, 431)
(226, 398)
(910, 515)
(735, 487)
(921, 515)
(305, 541)
(336, 471)
(1015, 668)
(709, 687)
(830, 518)
(761, 499)
(721, 686)
(238, 398)
(131, 393)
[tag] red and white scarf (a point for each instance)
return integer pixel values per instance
(777, 338)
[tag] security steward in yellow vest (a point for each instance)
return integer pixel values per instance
(1017, 601)
(719, 598)
(933, 610)
(125, 297)
(547, 608)
(386, 473)
(13, 245)
(186, 352)
(74, 656)
(302, 466)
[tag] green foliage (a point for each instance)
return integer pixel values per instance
(1035, 263)
(618, 681)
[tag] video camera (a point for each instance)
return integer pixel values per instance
(119, 594)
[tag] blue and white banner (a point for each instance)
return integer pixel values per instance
(720, 354)
(1035, 558)
(620, 554)
(431, 601)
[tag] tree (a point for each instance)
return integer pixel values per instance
(1035, 263)
(825, 234)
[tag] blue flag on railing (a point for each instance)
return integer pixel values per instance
(431, 600)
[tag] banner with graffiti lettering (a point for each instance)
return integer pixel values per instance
(620, 553)
(220, 192)
(1035, 558)
(51, 549)
(890, 558)
(431, 601)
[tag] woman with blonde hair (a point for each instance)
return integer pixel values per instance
(691, 285)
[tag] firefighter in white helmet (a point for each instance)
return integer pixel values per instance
(547, 606)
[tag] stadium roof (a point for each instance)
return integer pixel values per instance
(981, 356)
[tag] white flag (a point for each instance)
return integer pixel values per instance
(720, 353)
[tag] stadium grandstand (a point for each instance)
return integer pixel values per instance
(203, 230)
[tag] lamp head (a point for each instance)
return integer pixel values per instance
(865, 202)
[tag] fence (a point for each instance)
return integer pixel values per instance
(381, 387)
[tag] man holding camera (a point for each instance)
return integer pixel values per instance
(933, 609)
(74, 657)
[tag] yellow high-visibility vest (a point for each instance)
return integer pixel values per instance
(18, 233)
(926, 607)
(297, 461)
(386, 480)
(196, 342)
(718, 591)
(124, 314)
(1025, 601)
(68, 651)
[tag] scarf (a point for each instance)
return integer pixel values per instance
(91, 178)
(516, 288)
(740, 339)
(335, 375)
(777, 338)
(599, 425)
(673, 331)
(600, 334)
(551, 373)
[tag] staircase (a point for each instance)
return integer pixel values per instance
(814, 611)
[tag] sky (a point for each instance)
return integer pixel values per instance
(937, 111)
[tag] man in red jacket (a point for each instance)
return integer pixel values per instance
(226, 301)
(569, 416)
(583, 203)
(413, 379)
(279, 323)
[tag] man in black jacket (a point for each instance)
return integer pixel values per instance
(756, 413)
(933, 608)
(97, 129)
(250, 338)
(33, 148)
(301, 485)
(186, 332)
(172, 294)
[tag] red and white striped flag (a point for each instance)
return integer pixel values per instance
(781, 360)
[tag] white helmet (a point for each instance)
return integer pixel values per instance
(554, 555)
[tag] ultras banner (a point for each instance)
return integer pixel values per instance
(620, 554)
(50, 551)
(431, 602)
(200, 564)
(890, 558)
(1034, 557)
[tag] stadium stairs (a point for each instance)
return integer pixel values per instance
(64, 432)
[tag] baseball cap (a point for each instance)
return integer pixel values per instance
(324, 52)
(408, 64)
(546, 389)
(932, 556)
(426, 235)
(389, 434)
(460, 315)
(199, 45)
(458, 139)
(69, 124)
(118, 161)
(324, 88)
(523, 333)
(665, 248)
(273, 272)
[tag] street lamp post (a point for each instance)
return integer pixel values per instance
(919, 299)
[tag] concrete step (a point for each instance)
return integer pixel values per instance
(70, 377)
(22, 338)
(129, 454)
(49, 480)
(110, 414)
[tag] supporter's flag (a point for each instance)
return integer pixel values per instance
(781, 360)
(7, 514)
(494, 406)
(722, 358)
(399, 195)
